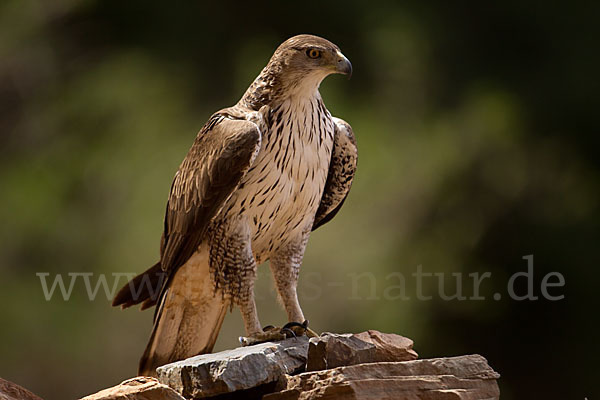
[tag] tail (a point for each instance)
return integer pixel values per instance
(188, 318)
(144, 289)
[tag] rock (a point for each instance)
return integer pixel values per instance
(262, 365)
(367, 365)
(332, 350)
(12, 391)
(453, 378)
(139, 388)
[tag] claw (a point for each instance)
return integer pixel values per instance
(294, 324)
(309, 332)
(291, 332)
(271, 333)
(301, 328)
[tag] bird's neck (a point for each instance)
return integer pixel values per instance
(272, 88)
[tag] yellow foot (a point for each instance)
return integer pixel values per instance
(300, 329)
(271, 333)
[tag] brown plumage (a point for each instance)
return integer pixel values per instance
(259, 177)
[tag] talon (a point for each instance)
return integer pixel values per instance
(271, 333)
(292, 325)
(309, 332)
(284, 330)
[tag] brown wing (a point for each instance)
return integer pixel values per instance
(341, 173)
(220, 156)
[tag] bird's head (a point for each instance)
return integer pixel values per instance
(303, 61)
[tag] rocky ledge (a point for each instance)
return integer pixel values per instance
(368, 365)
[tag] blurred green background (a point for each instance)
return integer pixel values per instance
(478, 131)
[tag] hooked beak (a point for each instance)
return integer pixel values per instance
(343, 65)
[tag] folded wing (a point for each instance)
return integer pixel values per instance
(342, 168)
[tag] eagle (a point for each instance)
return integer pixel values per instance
(258, 179)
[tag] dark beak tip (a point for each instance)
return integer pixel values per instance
(346, 68)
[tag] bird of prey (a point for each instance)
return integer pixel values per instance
(259, 177)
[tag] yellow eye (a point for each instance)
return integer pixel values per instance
(313, 53)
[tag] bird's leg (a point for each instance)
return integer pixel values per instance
(249, 314)
(286, 279)
(234, 271)
(269, 333)
(253, 331)
(245, 300)
(285, 266)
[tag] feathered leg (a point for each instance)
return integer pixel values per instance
(249, 314)
(285, 267)
(233, 268)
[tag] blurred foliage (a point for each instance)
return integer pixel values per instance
(478, 135)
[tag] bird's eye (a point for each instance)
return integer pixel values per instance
(313, 53)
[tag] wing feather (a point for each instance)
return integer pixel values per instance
(342, 168)
(220, 156)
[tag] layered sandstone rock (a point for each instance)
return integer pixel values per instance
(453, 378)
(12, 391)
(139, 388)
(368, 365)
(332, 350)
(260, 366)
